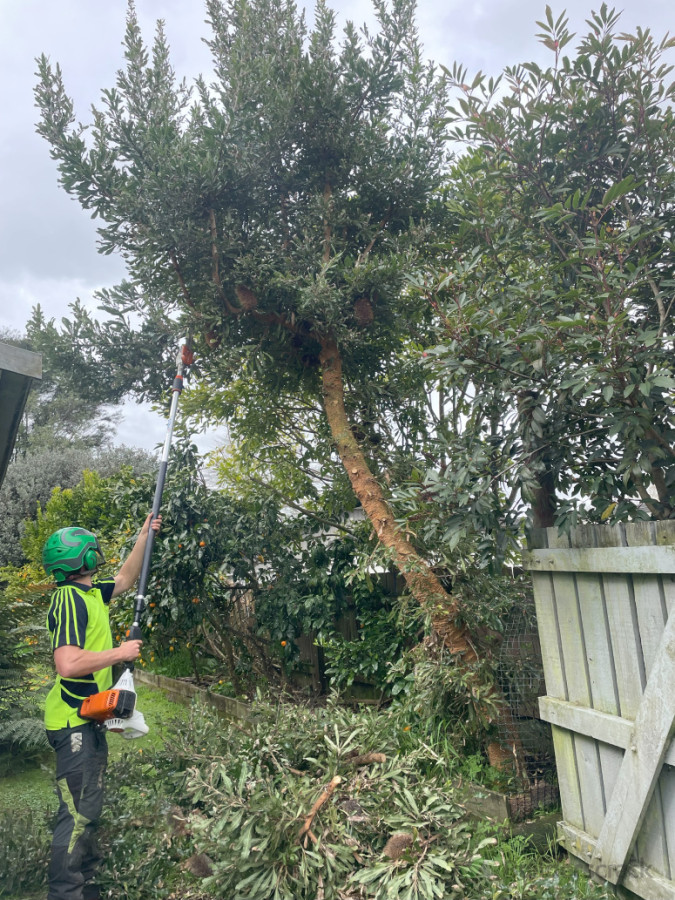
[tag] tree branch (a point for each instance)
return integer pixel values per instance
(325, 795)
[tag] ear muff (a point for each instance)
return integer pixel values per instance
(90, 560)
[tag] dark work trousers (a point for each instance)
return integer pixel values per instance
(81, 758)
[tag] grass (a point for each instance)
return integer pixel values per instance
(158, 711)
(30, 785)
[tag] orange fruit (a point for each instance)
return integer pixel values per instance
(202, 543)
(283, 643)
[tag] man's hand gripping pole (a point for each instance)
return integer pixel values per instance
(116, 708)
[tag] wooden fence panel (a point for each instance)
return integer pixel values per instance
(603, 597)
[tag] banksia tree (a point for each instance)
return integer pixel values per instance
(274, 212)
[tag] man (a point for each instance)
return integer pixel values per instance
(79, 627)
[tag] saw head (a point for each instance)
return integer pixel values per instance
(133, 727)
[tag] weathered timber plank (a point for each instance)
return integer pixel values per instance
(547, 619)
(612, 730)
(625, 638)
(635, 591)
(648, 560)
(603, 536)
(586, 761)
(667, 784)
(610, 764)
(650, 845)
(639, 534)
(186, 691)
(599, 658)
(590, 783)
(649, 600)
(668, 588)
(572, 638)
(23, 362)
(549, 635)
(601, 726)
(568, 782)
(642, 881)
(664, 532)
(652, 616)
(641, 765)
(566, 614)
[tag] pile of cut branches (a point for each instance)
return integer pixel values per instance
(325, 803)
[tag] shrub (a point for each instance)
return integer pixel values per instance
(142, 851)
(25, 838)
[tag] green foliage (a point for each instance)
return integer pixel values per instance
(25, 656)
(32, 477)
(262, 235)
(25, 841)
(253, 786)
(134, 826)
(64, 431)
(23, 648)
(525, 873)
(555, 295)
(437, 695)
(216, 560)
(280, 241)
(457, 705)
(142, 853)
(382, 636)
(242, 790)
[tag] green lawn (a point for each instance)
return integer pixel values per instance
(31, 787)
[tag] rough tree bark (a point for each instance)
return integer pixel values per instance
(420, 579)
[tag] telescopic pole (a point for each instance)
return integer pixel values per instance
(183, 361)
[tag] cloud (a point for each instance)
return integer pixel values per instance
(19, 295)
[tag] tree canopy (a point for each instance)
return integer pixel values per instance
(555, 297)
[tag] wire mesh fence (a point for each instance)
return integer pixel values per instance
(521, 677)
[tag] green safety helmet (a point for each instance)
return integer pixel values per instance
(71, 550)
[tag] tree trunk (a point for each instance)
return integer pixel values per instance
(422, 582)
(543, 500)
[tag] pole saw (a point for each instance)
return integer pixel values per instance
(116, 708)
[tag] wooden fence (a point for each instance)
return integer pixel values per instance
(603, 597)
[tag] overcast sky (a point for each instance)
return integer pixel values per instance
(48, 244)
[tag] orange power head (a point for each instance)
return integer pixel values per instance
(112, 704)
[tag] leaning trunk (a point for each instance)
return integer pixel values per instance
(424, 585)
